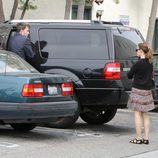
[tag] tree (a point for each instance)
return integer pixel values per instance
(152, 19)
(116, 1)
(14, 9)
(68, 9)
(2, 18)
(26, 5)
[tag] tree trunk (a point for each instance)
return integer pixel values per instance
(152, 19)
(2, 18)
(24, 10)
(14, 9)
(80, 12)
(68, 9)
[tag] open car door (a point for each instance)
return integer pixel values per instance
(4, 34)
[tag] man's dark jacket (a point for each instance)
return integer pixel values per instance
(21, 45)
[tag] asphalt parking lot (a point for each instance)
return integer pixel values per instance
(82, 141)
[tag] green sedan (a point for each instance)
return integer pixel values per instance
(28, 97)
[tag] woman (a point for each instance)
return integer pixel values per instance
(141, 100)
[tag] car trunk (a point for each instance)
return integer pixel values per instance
(48, 88)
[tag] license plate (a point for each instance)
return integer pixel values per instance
(53, 90)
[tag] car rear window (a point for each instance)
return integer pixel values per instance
(3, 58)
(10, 63)
(75, 43)
(125, 42)
(15, 65)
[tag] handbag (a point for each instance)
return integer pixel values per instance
(153, 90)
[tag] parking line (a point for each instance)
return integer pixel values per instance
(8, 145)
(83, 134)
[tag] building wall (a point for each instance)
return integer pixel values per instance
(136, 12)
(47, 9)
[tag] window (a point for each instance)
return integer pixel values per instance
(15, 65)
(11, 64)
(3, 58)
(74, 12)
(75, 43)
(87, 12)
(125, 42)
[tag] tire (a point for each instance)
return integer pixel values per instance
(23, 126)
(63, 122)
(98, 117)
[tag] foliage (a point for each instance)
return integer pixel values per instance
(116, 1)
(30, 5)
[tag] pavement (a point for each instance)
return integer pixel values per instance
(152, 154)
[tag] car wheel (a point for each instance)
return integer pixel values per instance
(98, 117)
(65, 122)
(23, 126)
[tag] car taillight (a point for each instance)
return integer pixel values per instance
(112, 71)
(32, 90)
(67, 89)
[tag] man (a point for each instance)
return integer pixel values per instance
(20, 43)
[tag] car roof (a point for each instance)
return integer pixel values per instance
(94, 23)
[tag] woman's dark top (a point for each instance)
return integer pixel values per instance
(141, 72)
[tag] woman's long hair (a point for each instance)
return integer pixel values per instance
(147, 51)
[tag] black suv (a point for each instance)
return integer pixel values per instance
(96, 55)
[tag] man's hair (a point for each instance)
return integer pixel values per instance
(21, 26)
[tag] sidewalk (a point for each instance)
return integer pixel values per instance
(152, 154)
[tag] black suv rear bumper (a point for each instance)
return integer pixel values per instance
(104, 97)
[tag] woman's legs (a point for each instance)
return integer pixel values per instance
(138, 124)
(146, 120)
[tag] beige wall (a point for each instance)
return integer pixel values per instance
(137, 10)
(47, 9)
(7, 5)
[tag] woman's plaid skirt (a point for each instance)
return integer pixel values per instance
(140, 100)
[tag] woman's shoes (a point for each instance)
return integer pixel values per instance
(145, 141)
(136, 141)
(139, 141)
